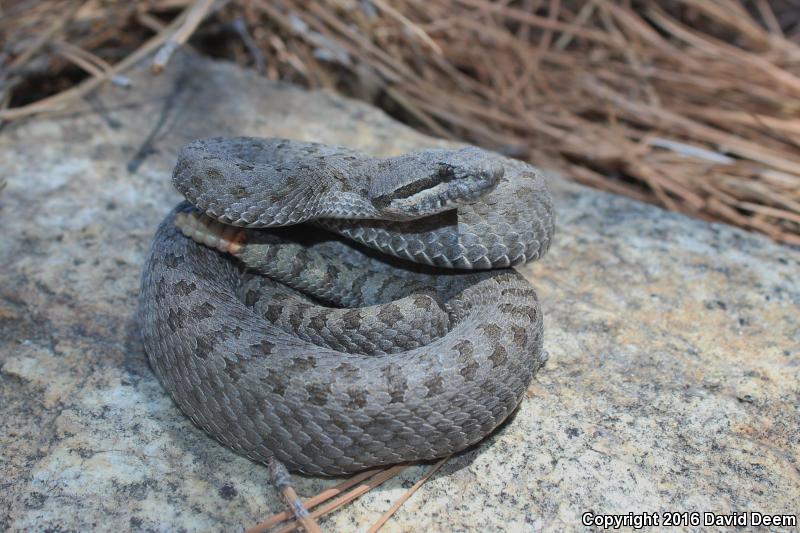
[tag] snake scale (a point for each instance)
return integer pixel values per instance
(334, 311)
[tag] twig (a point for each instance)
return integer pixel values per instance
(410, 492)
(415, 29)
(196, 14)
(69, 53)
(585, 87)
(769, 17)
(282, 480)
(52, 103)
(771, 211)
(314, 501)
(43, 38)
(357, 492)
(240, 26)
(304, 519)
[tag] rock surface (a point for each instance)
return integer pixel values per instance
(673, 382)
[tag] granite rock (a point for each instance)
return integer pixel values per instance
(673, 382)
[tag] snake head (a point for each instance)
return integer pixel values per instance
(432, 181)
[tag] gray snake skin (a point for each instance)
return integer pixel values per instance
(335, 311)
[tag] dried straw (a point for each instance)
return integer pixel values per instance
(690, 104)
(374, 528)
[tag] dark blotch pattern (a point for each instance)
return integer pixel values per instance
(527, 311)
(203, 311)
(301, 364)
(499, 356)
(183, 288)
(469, 371)
(205, 344)
(464, 349)
(492, 331)
(396, 382)
(434, 385)
(352, 319)
(264, 347)
(390, 314)
(175, 319)
(358, 398)
(318, 393)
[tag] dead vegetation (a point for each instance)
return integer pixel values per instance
(690, 104)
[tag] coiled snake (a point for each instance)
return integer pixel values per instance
(375, 321)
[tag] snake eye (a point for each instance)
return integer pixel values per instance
(419, 187)
(447, 187)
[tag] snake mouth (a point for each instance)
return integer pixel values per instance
(447, 188)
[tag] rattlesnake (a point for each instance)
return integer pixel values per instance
(390, 328)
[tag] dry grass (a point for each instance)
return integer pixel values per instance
(346, 492)
(690, 104)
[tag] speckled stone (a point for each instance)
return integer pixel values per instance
(673, 382)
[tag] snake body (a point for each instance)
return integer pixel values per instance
(335, 311)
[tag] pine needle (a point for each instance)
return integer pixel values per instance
(410, 492)
(577, 86)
